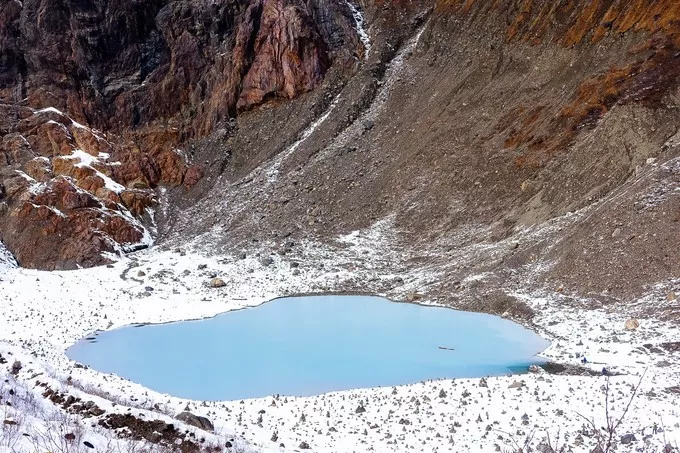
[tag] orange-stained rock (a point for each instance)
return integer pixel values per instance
(290, 57)
(63, 195)
(38, 169)
(90, 142)
(15, 149)
(571, 22)
(51, 139)
(193, 175)
(137, 201)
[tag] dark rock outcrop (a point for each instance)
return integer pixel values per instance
(195, 420)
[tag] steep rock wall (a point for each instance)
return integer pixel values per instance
(98, 98)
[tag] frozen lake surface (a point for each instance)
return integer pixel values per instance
(310, 345)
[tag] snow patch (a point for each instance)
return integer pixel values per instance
(361, 31)
(88, 160)
(273, 171)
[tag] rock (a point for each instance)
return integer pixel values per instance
(616, 232)
(628, 439)
(217, 283)
(202, 266)
(70, 437)
(632, 324)
(360, 409)
(193, 174)
(663, 363)
(515, 385)
(96, 411)
(196, 421)
(368, 125)
(671, 296)
(16, 367)
(266, 260)
(413, 297)
(483, 383)
(597, 449)
(544, 448)
(304, 446)
(141, 274)
(535, 369)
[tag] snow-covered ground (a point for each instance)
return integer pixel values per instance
(6, 260)
(42, 313)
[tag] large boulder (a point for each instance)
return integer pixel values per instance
(632, 324)
(195, 420)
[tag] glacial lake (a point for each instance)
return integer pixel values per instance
(311, 345)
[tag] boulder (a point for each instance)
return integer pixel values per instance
(544, 448)
(217, 283)
(16, 367)
(628, 439)
(632, 324)
(195, 420)
(535, 369)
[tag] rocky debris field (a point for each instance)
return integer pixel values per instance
(444, 415)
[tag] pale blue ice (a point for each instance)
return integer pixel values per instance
(311, 345)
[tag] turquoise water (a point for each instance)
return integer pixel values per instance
(310, 345)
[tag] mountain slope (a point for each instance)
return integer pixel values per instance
(463, 125)
(472, 125)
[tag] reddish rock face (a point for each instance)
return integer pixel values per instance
(62, 204)
(97, 98)
(290, 56)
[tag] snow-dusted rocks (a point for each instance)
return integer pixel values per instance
(69, 193)
(43, 313)
(6, 260)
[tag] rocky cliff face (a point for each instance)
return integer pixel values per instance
(475, 122)
(99, 99)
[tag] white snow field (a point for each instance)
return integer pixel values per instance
(42, 313)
